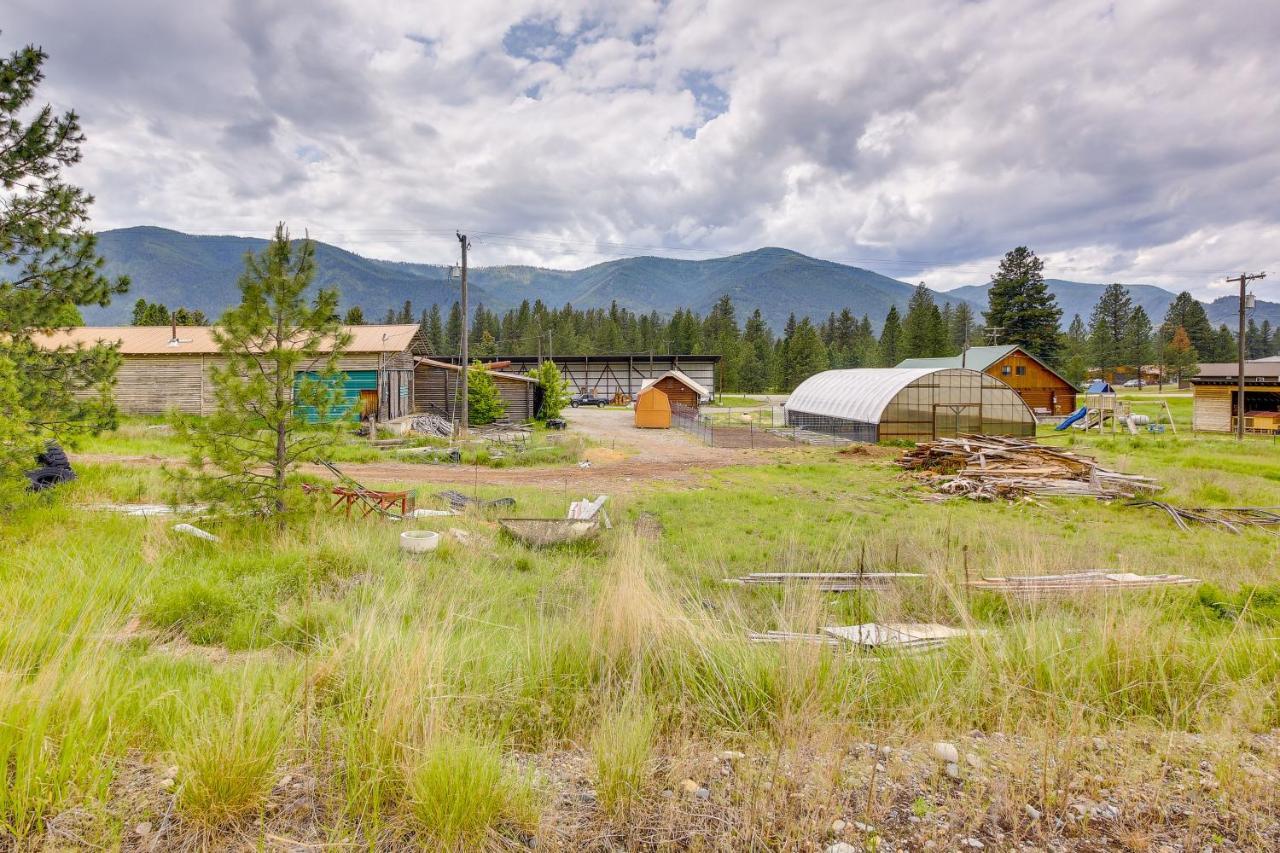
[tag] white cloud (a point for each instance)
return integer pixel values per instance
(1128, 141)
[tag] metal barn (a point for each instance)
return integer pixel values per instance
(914, 404)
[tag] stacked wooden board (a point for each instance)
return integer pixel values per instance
(1229, 518)
(984, 467)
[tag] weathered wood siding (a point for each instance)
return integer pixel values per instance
(1039, 388)
(520, 398)
(677, 392)
(435, 390)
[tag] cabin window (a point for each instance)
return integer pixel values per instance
(1006, 370)
(1022, 370)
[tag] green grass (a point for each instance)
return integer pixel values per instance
(416, 691)
(736, 401)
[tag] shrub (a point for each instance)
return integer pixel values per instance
(484, 403)
(555, 391)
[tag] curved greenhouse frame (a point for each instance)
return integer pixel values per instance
(914, 404)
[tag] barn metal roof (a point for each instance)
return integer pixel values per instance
(860, 394)
(681, 377)
(979, 358)
(198, 340)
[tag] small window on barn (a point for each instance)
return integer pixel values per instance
(1006, 370)
(1022, 370)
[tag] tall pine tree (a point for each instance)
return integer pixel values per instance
(1021, 306)
(49, 266)
(890, 339)
(1109, 328)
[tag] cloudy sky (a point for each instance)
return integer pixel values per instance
(1134, 141)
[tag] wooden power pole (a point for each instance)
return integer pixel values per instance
(1243, 279)
(466, 321)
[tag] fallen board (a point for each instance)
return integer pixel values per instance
(1037, 586)
(827, 581)
(892, 636)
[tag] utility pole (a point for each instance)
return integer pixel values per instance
(994, 333)
(466, 322)
(1243, 279)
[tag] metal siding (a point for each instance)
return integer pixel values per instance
(352, 384)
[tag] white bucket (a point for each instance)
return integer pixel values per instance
(417, 541)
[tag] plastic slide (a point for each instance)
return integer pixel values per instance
(1072, 418)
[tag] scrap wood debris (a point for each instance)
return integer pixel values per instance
(900, 636)
(146, 510)
(458, 501)
(429, 424)
(1038, 586)
(1230, 518)
(826, 581)
(984, 467)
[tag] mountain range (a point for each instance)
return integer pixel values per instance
(200, 272)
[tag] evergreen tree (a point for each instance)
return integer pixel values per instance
(1266, 342)
(406, 312)
(49, 262)
(1255, 346)
(484, 403)
(964, 328)
(1186, 311)
(555, 391)
(757, 354)
(806, 354)
(1020, 304)
(390, 318)
(354, 316)
(866, 349)
(281, 361)
(1137, 340)
(150, 314)
(1075, 352)
(1108, 330)
(186, 317)
(924, 334)
(453, 331)
(721, 336)
(435, 331)
(890, 339)
(1224, 344)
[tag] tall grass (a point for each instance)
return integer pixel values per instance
(622, 757)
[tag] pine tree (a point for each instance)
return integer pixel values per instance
(281, 360)
(354, 316)
(757, 354)
(1075, 352)
(406, 312)
(1224, 344)
(1186, 311)
(187, 317)
(1137, 340)
(484, 403)
(923, 332)
(963, 328)
(806, 354)
(890, 339)
(721, 336)
(1021, 306)
(1108, 328)
(435, 331)
(453, 331)
(49, 265)
(1255, 346)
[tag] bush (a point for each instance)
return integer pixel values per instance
(484, 403)
(555, 391)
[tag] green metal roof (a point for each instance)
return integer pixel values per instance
(977, 358)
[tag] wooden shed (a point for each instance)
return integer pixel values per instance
(653, 409)
(679, 389)
(1216, 404)
(165, 368)
(1040, 386)
(436, 388)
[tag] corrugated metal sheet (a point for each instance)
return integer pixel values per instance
(355, 382)
(159, 340)
(977, 358)
(857, 395)
(1253, 371)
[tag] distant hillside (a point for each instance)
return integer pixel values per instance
(1226, 309)
(200, 272)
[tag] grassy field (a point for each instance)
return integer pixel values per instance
(316, 687)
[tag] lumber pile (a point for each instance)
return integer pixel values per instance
(826, 581)
(985, 467)
(1047, 586)
(1228, 518)
(434, 425)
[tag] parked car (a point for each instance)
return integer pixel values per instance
(585, 399)
(1133, 383)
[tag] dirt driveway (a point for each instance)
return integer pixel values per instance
(624, 457)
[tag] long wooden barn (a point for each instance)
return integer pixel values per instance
(607, 375)
(436, 384)
(165, 368)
